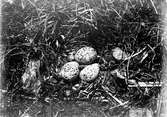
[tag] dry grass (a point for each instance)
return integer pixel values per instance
(48, 30)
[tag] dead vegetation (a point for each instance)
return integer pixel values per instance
(47, 30)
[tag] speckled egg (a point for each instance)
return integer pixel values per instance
(90, 72)
(86, 55)
(118, 54)
(69, 70)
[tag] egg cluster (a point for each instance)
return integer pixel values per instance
(84, 56)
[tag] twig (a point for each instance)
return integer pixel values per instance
(57, 113)
(3, 91)
(154, 6)
(115, 98)
(146, 84)
(119, 105)
(141, 3)
(116, 12)
(135, 54)
(25, 112)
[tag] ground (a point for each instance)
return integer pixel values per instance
(48, 30)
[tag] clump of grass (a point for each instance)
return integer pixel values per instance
(48, 30)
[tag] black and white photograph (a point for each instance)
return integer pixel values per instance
(83, 58)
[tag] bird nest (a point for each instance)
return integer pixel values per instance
(47, 31)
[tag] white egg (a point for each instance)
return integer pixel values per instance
(86, 55)
(69, 70)
(90, 72)
(119, 54)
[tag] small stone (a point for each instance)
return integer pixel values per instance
(68, 92)
(75, 87)
(71, 56)
(47, 99)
